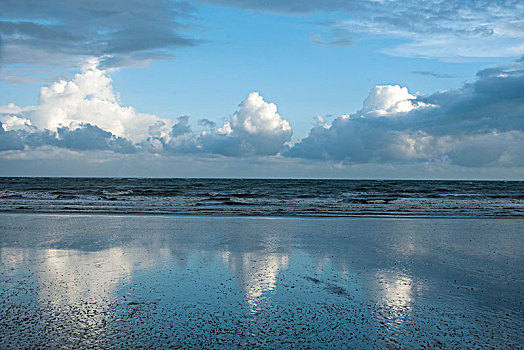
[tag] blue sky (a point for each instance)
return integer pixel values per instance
(166, 89)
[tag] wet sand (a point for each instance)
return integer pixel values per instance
(203, 282)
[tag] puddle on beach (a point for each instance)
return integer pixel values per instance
(107, 281)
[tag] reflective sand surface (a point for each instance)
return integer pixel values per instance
(129, 281)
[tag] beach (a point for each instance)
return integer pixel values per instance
(227, 282)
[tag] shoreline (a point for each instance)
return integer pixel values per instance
(248, 216)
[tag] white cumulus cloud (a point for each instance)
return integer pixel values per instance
(387, 100)
(258, 117)
(255, 128)
(89, 98)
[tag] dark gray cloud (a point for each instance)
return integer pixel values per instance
(91, 137)
(125, 32)
(206, 123)
(422, 15)
(181, 138)
(182, 127)
(84, 138)
(433, 74)
(333, 38)
(242, 145)
(431, 28)
(481, 124)
(411, 15)
(10, 140)
(288, 7)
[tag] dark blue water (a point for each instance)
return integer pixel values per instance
(258, 197)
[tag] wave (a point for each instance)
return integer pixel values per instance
(263, 197)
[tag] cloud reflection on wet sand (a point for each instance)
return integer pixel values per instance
(205, 282)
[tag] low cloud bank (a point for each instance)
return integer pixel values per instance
(478, 125)
(84, 114)
(84, 137)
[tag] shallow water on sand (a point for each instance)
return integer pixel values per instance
(159, 281)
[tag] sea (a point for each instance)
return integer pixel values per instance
(263, 197)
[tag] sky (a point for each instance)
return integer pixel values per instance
(306, 89)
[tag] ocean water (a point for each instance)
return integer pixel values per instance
(257, 197)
